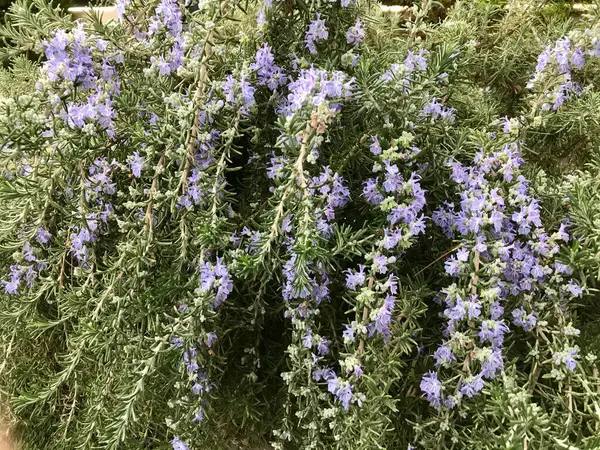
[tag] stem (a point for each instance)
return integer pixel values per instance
(299, 171)
(221, 164)
(61, 278)
(202, 78)
(476, 276)
(148, 217)
(534, 378)
(365, 315)
(443, 255)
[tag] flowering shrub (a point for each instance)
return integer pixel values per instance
(232, 224)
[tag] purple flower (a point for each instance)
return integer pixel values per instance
(462, 254)
(136, 163)
(28, 252)
(371, 191)
(12, 287)
(317, 31)
(570, 362)
(393, 178)
(344, 395)
(375, 147)
(358, 371)
(199, 416)
(247, 93)
(178, 444)
(269, 74)
(457, 311)
(78, 243)
(324, 374)
(120, 7)
(189, 357)
(524, 320)
(567, 358)
(562, 268)
(543, 59)
(574, 289)
(216, 277)
(578, 59)
(43, 236)
(435, 110)
(169, 16)
(492, 364)
(380, 263)
(413, 60)
(307, 339)
(474, 307)
(211, 338)
(443, 355)
(176, 342)
(355, 279)
(383, 319)
(496, 310)
(562, 231)
(355, 33)
(493, 331)
(452, 266)
(323, 346)
(164, 68)
(348, 333)
(471, 388)
(431, 387)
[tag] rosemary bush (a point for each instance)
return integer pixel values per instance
(300, 225)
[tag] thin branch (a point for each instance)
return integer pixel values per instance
(207, 52)
(365, 315)
(61, 278)
(148, 217)
(297, 174)
(443, 255)
(476, 276)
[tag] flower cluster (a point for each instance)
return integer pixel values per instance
(78, 62)
(216, 283)
(355, 33)
(504, 259)
(403, 73)
(330, 187)
(215, 277)
(558, 64)
(268, 73)
(317, 31)
(403, 200)
(98, 187)
(196, 188)
(317, 88)
(29, 266)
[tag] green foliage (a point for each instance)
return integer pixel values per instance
(167, 234)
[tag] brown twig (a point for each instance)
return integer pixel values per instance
(443, 255)
(476, 276)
